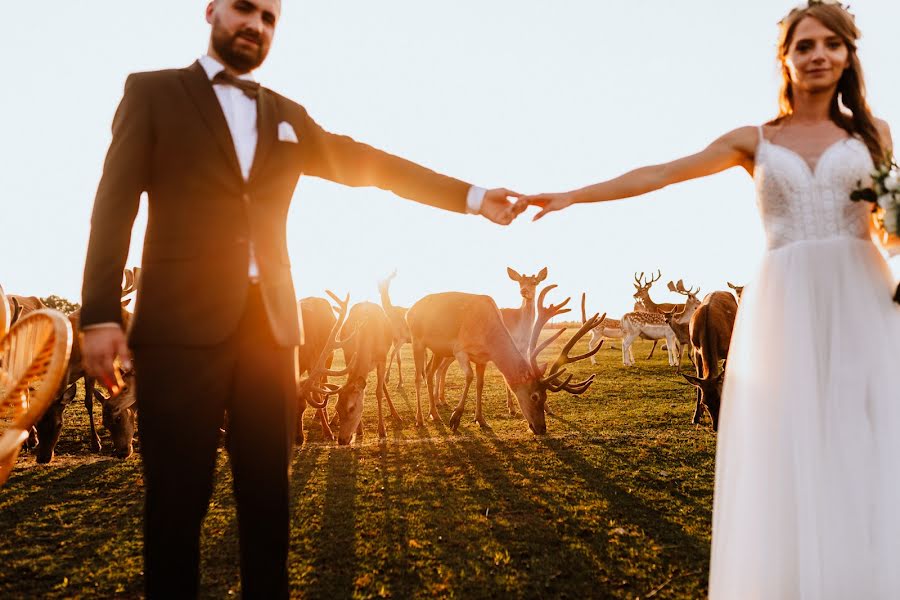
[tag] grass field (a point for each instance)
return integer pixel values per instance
(614, 502)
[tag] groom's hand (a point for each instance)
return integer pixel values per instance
(498, 207)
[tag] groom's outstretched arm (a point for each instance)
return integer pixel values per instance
(342, 159)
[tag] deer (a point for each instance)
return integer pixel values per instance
(399, 329)
(318, 320)
(644, 303)
(680, 321)
(710, 329)
(22, 305)
(518, 321)
(606, 329)
(122, 409)
(470, 328)
(738, 290)
(654, 326)
(366, 340)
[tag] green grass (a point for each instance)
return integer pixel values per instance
(615, 502)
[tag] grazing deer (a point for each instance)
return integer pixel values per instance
(469, 328)
(366, 341)
(50, 426)
(653, 326)
(318, 321)
(399, 329)
(710, 329)
(738, 290)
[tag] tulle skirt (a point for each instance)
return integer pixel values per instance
(807, 494)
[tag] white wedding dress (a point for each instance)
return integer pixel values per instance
(807, 493)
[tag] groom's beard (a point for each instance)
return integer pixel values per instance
(241, 59)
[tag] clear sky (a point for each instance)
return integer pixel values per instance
(531, 95)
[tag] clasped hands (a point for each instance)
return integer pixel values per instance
(498, 205)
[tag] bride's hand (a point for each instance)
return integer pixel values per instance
(548, 202)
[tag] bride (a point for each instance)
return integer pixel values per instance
(807, 492)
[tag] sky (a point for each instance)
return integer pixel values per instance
(527, 94)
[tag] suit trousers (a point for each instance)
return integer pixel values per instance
(183, 393)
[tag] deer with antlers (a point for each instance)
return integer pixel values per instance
(710, 329)
(469, 327)
(651, 326)
(318, 321)
(680, 320)
(118, 409)
(399, 329)
(366, 340)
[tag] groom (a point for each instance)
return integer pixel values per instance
(215, 325)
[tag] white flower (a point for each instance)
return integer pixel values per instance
(890, 218)
(892, 182)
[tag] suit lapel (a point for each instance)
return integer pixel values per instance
(201, 91)
(267, 129)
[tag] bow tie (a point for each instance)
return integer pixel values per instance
(250, 88)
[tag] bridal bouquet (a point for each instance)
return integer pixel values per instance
(884, 194)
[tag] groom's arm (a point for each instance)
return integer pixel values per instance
(125, 177)
(342, 159)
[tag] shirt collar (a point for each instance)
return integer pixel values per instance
(213, 67)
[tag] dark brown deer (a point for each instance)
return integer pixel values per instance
(710, 329)
(469, 327)
(318, 321)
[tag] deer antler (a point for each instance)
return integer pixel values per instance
(557, 370)
(544, 314)
(311, 385)
(130, 282)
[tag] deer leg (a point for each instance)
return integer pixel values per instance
(698, 407)
(327, 433)
(419, 360)
(432, 398)
(394, 414)
(626, 350)
(399, 369)
(380, 385)
(442, 381)
(511, 404)
(591, 345)
(89, 405)
(479, 388)
(652, 350)
(390, 362)
(463, 360)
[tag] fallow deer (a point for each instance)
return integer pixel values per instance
(399, 329)
(653, 326)
(738, 290)
(680, 320)
(469, 327)
(711, 328)
(520, 321)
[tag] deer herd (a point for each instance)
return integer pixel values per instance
(442, 328)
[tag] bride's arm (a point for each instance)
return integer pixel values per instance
(735, 148)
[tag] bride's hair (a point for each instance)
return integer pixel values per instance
(851, 90)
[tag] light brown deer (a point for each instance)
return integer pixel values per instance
(520, 321)
(469, 327)
(711, 328)
(644, 303)
(318, 321)
(399, 329)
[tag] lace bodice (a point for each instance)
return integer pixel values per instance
(799, 204)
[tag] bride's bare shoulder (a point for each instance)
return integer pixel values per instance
(884, 132)
(744, 139)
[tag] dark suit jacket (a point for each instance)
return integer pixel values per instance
(170, 139)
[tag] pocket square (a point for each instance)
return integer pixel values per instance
(286, 133)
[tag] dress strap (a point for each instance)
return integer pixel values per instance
(759, 129)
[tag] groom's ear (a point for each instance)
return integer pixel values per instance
(210, 8)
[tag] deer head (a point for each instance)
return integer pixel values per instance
(527, 283)
(120, 415)
(314, 387)
(643, 285)
(738, 289)
(709, 391)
